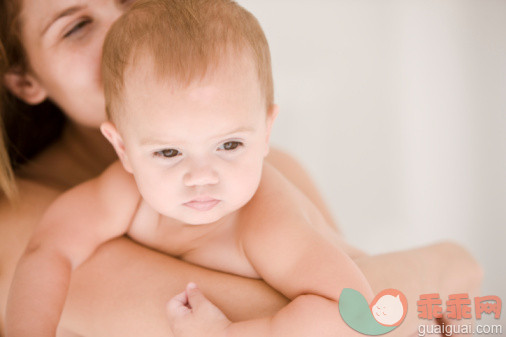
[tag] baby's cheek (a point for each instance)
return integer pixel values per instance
(245, 182)
(156, 189)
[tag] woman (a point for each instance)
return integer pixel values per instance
(51, 53)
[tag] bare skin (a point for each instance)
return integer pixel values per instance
(129, 299)
(18, 222)
(122, 289)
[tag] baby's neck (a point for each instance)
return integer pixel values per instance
(195, 235)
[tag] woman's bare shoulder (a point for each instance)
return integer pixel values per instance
(33, 199)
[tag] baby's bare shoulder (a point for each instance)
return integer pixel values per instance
(280, 210)
(87, 215)
(275, 203)
(107, 201)
(116, 182)
(109, 188)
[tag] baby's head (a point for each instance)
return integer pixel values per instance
(189, 97)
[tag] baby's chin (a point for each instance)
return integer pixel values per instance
(192, 217)
(199, 222)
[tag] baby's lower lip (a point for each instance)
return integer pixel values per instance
(202, 205)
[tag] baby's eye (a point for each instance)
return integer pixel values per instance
(167, 153)
(229, 146)
(77, 27)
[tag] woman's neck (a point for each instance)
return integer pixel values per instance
(81, 153)
(88, 146)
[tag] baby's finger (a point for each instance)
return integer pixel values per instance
(178, 306)
(195, 297)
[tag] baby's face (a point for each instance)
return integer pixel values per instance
(196, 153)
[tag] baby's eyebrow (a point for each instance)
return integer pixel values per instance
(238, 130)
(61, 14)
(152, 141)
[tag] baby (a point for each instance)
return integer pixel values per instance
(189, 97)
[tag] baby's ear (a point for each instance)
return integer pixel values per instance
(25, 87)
(272, 113)
(110, 132)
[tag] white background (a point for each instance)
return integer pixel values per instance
(398, 110)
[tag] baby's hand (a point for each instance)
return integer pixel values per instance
(191, 314)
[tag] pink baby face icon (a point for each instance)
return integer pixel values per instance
(389, 307)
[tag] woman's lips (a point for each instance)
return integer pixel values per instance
(202, 205)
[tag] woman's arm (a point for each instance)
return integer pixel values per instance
(123, 289)
(444, 268)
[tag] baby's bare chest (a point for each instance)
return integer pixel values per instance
(219, 251)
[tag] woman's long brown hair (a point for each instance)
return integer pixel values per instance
(24, 130)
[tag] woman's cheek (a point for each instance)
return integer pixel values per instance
(73, 85)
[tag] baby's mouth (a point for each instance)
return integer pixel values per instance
(202, 204)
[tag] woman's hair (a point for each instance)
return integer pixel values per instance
(24, 130)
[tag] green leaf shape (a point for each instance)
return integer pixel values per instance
(355, 312)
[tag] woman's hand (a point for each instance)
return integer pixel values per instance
(191, 314)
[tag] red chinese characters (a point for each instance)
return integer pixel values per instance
(487, 304)
(458, 306)
(429, 306)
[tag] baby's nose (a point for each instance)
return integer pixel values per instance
(200, 175)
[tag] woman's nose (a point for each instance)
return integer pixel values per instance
(111, 11)
(123, 4)
(200, 175)
(118, 8)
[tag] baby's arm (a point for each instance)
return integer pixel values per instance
(314, 285)
(294, 258)
(305, 267)
(71, 229)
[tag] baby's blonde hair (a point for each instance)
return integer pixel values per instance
(184, 39)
